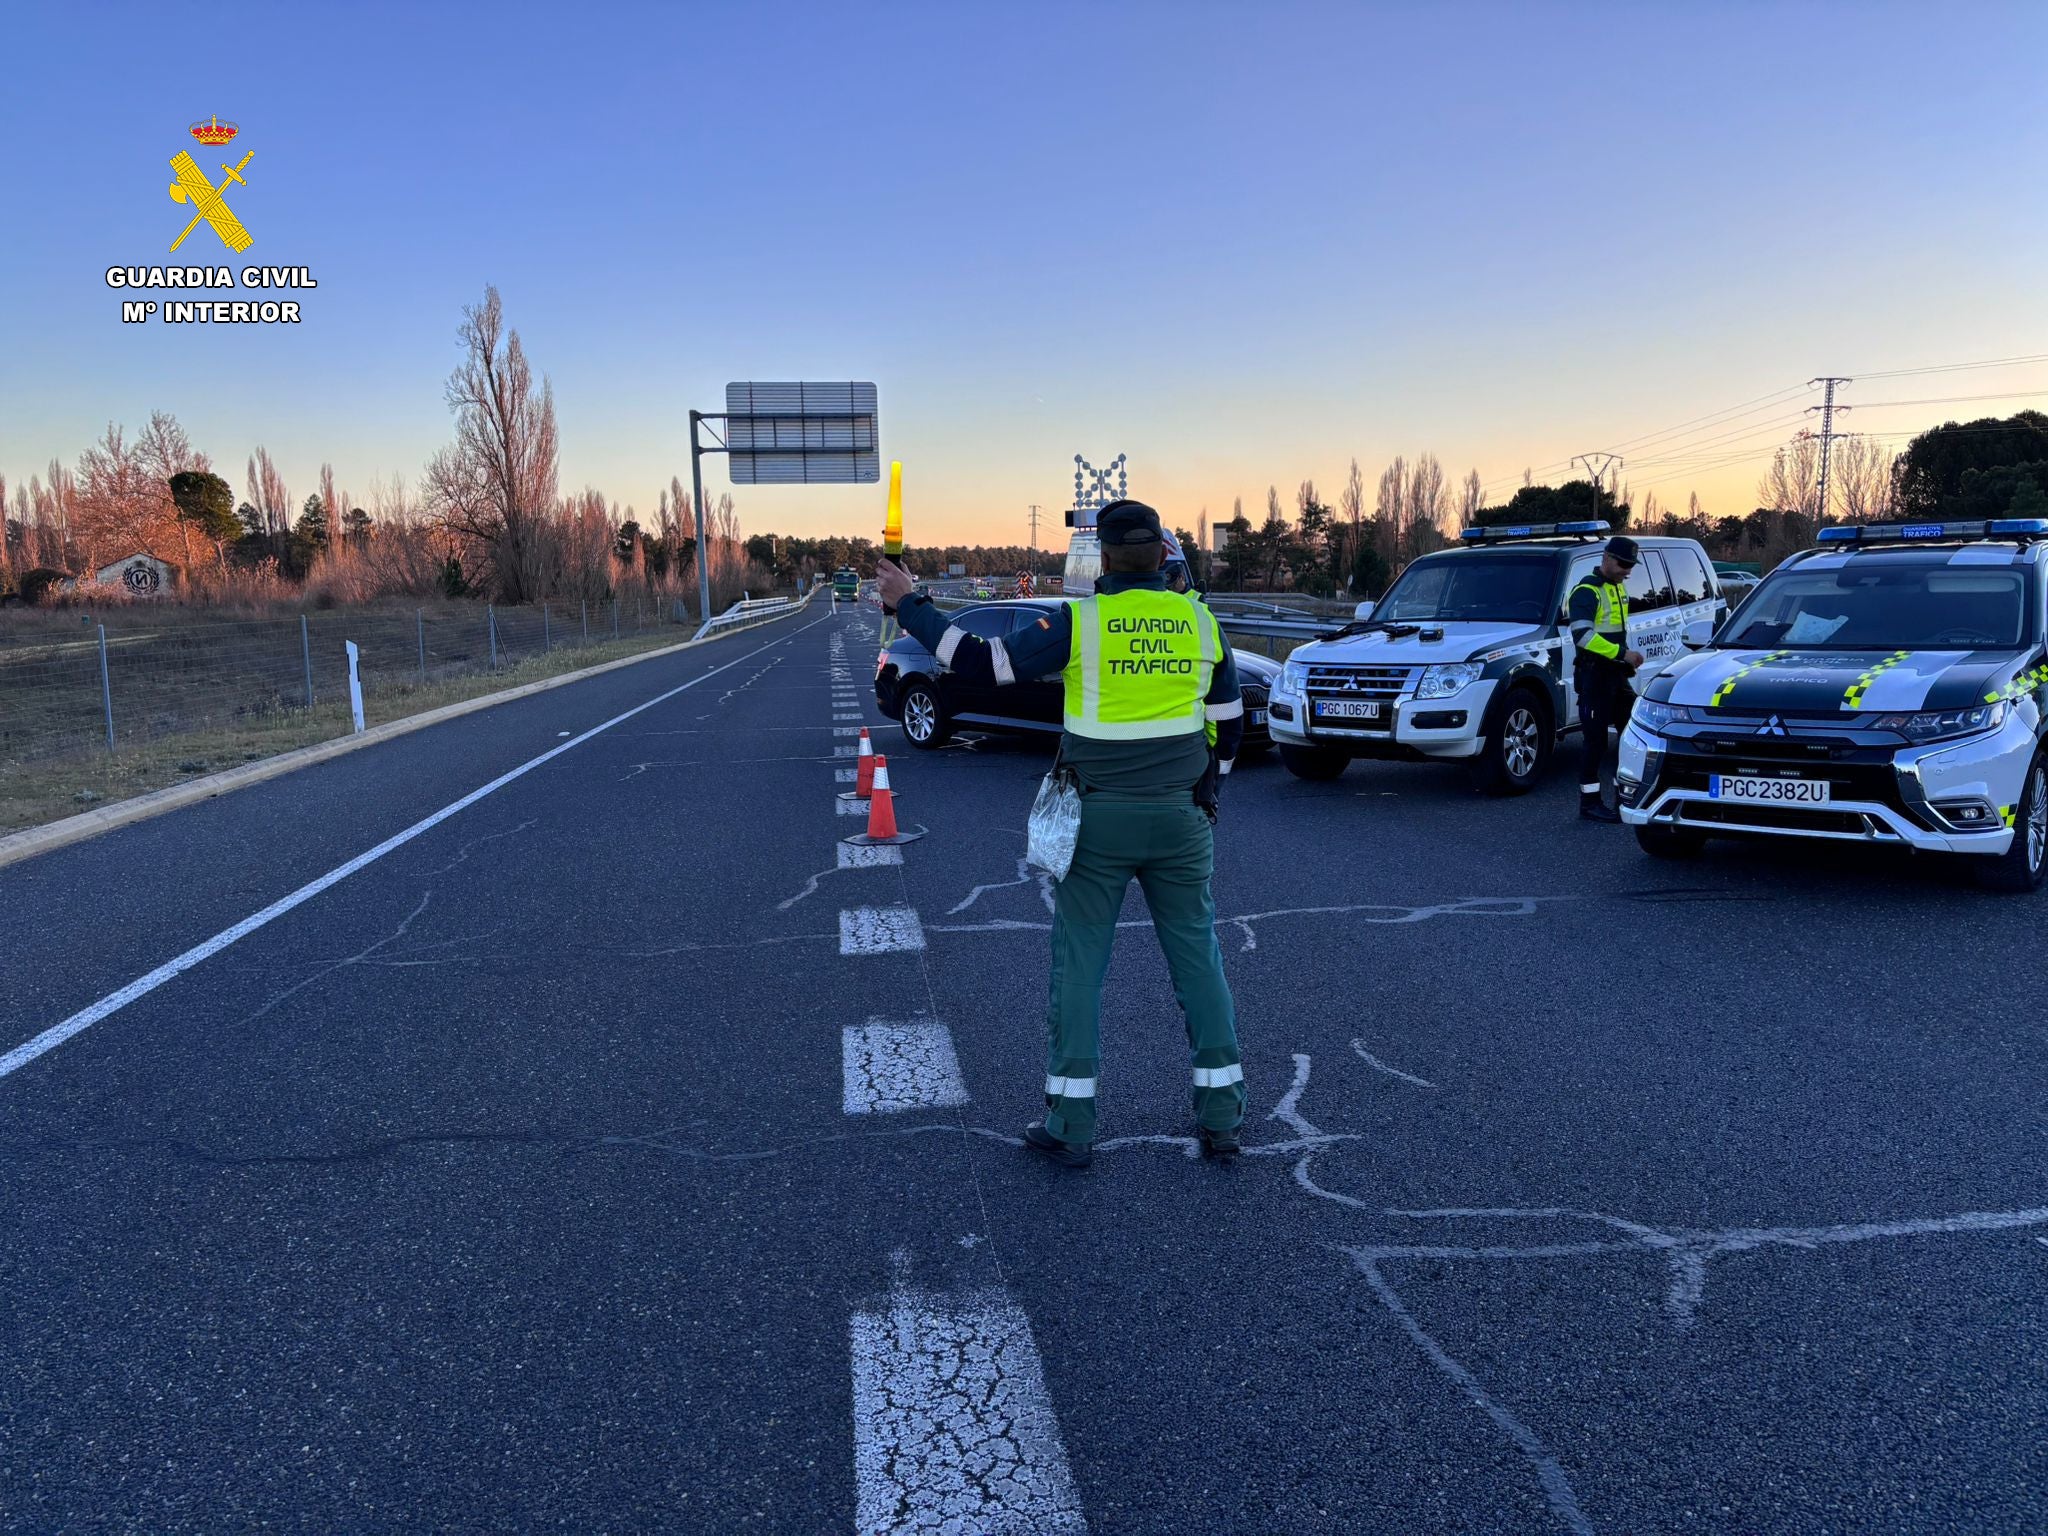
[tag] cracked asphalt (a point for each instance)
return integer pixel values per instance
(510, 1182)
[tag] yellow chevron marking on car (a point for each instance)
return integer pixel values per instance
(2020, 686)
(1741, 672)
(1853, 699)
(2005, 814)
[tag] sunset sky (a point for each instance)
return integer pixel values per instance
(1241, 244)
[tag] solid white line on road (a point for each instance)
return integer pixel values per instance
(890, 1068)
(879, 930)
(953, 1427)
(142, 986)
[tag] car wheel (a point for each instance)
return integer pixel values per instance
(2021, 867)
(924, 717)
(1667, 842)
(1318, 764)
(1516, 752)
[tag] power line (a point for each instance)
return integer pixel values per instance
(2016, 394)
(1996, 362)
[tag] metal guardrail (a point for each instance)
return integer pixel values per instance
(756, 610)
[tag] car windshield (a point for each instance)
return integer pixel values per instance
(1888, 602)
(1511, 588)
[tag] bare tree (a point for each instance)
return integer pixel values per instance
(1427, 504)
(494, 486)
(1471, 498)
(114, 500)
(1390, 511)
(267, 494)
(1793, 481)
(1861, 472)
(1352, 502)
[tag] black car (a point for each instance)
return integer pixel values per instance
(931, 702)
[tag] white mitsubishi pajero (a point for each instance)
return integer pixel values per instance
(1467, 655)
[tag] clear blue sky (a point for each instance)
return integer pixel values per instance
(1239, 243)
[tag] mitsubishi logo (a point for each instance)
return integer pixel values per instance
(1771, 727)
(1351, 685)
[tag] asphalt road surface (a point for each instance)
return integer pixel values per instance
(614, 1153)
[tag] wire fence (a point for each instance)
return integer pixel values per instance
(76, 683)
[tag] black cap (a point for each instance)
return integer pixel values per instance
(1127, 522)
(1623, 548)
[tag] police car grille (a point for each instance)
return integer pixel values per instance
(1359, 682)
(1789, 818)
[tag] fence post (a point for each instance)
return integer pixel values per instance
(306, 652)
(586, 621)
(355, 685)
(547, 632)
(420, 616)
(106, 688)
(491, 616)
(615, 618)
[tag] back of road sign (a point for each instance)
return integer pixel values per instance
(802, 434)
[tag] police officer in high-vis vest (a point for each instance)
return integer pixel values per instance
(1153, 720)
(1598, 614)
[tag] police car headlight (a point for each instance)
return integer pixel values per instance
(1941, 724)
(1440, 682)
(1653, 717)
(1293, 677)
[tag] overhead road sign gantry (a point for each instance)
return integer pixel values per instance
(785, 434)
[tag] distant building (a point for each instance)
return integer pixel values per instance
(139, 575)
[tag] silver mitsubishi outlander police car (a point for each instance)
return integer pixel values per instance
(1886, 687)
(1467, 656)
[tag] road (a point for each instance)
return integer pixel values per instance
(610, 1155)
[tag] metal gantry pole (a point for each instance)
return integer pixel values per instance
(306, 655)
(106, 688)
(697, 490)
(1828, 434)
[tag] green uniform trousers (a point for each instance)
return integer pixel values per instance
(1170, 849)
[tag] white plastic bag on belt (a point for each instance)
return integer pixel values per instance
(1055, 824)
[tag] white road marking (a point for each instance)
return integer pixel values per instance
(879, 930)
(845, 775)
(890, 1068)
(844, 751)
(1373, 1061)
(851, 856)
(142, 986)
(953, 1428)
(850, 807)
(845, 730)
(852, 714)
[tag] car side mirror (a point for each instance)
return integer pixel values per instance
(1363, 611)
(1697, 634)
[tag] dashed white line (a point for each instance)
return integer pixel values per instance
(953, 1428)
(845, 775)
(852, 856)
(890, 1068)
(879, 930)
(850, 807)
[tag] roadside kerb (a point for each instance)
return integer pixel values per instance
(26, 844)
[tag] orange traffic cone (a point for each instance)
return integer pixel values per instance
(881, 804)
(864, 770)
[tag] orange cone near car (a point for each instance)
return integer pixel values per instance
(881, 804)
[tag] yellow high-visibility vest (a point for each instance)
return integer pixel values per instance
(1140, 665)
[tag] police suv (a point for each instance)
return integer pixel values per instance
(1885, 687)
(1467, 656)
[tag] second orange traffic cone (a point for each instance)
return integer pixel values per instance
(881, 804)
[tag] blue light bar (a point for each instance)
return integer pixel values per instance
(1479, 535)
(1921, 533)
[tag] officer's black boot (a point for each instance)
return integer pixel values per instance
(1217, 1143)
(1593, 808)
(1067, 1154)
